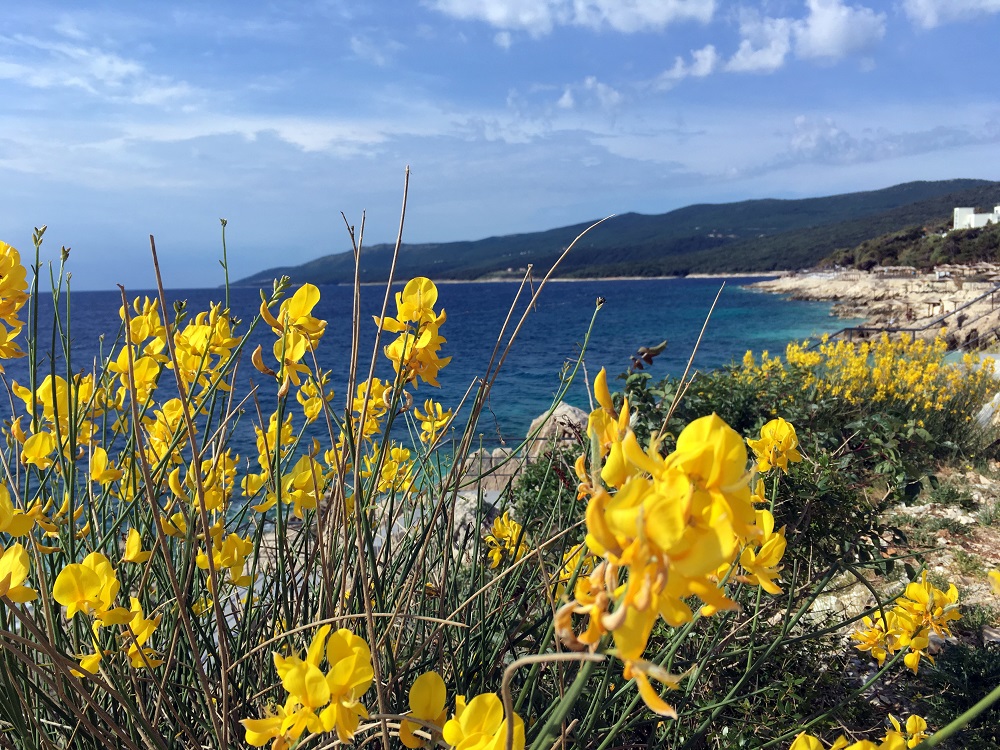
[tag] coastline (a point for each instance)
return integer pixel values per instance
(575, 279)
(963, 308)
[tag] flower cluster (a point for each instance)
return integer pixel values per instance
(919, 612)
(90, 588)
(906, 373)
(433, 419)
(900, 737)
(667, 528)
(415, 352)
(777, 447)
(505, 541)
(318, 701)
(298, 333)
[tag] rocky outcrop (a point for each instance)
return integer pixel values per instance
(491, 471)
(565, 427)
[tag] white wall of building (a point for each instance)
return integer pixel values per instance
(967, 218)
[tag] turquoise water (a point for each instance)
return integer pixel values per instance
(635, 313)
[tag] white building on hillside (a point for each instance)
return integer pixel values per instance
(967, 218)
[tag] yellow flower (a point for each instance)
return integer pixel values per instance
(641, 671)
(296, 313)
(301, 486)
(259, 732)
(90, 587)
(571, 559)
(921, 610)
(427, 698)
(432, 420)
(13, 284)
(505, 541)
(805, 741)
(914, 733)
(929, 607)
(310, 398)
(879, 636)
(134, 553)
(13, 572)
(38, 450)
(414, 353)
(139, 630)
(762, 565)
(102, 470)
(777, 446)
(13, 296)
(230, 553)
(416, 357)
(349, 678)
(415, 304)
(203, 348)
(13, 521)
(145, 373)
(480, 725)
(994, 578)
(318, 702)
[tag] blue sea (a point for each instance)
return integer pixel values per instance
(635, 313)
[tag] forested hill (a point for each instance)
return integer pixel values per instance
(923, 247)
(756, 235)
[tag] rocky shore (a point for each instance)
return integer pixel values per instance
(964, 305)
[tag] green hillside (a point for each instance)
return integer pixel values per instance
(923, 247)
(757, 235)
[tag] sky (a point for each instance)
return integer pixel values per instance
(121, 120)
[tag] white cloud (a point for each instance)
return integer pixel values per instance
(640, 15)
(539, 17)
(607, 96)
(378, 54)
(765, 45)
(830, 31)
(566, 101)
(502, 39)
(704, 62)
(305, 133)
(833, 30)
(931, 13)
(67, 27)
(99, 73)
(822, 140)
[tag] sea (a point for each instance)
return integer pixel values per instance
(633, 314)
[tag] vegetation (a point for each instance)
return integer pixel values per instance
(657, 587)
(924, 248)
(758, 235)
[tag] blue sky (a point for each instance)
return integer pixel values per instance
(119, 120)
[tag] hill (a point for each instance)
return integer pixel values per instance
(755, 235)
(923, 247)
